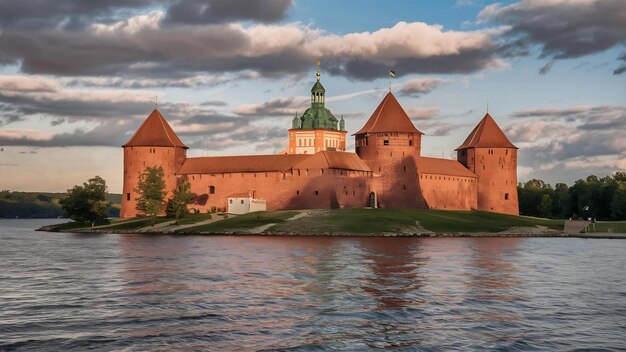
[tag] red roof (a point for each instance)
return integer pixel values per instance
(334, 160)
(389, 117)
(439, 166)
(155, 132)
(240, 195)
(267, 163)
(487, 134)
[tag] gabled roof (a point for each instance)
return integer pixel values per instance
(155, 132)
(439, 166)
(267, 163)
(389, 117)
(487, 134)
(334, 160)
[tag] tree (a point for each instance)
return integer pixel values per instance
(618, 205)
(87, 203)
(545, 206)
(181, 198)
(151, 190)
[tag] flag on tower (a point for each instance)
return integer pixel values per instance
(392, 73)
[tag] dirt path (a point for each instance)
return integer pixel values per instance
(174, 228)
(263, 228)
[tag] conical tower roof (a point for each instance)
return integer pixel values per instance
(487, 134)
(389, 116)
(155, 132)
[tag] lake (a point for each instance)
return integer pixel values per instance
(73, 292)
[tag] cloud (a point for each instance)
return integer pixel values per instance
(563, 29)
(76, 14)
(420, 86)
(66, 13)
(422, 113)
(274, 107)
(219, 11)
(26, 134)
(570, 137)
(547, 67)
(143, 47)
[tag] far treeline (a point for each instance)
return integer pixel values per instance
(600, 198)
(34, 205)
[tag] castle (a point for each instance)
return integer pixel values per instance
(316, 171)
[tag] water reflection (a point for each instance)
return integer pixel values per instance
(495, 273)
(395, 265)
(161, 293)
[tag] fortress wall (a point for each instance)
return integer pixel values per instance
(136, 160)
(392, 159)
(289, 190)
(449, 192)
(497, 186)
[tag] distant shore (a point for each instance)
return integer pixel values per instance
(349, 223)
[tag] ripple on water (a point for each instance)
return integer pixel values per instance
(163, 293)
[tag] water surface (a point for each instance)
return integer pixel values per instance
(73, 292)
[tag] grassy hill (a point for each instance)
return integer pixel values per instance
(352, 221)
(41, 204)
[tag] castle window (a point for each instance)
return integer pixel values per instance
(404, 187)
(386, 142)
(211, 189)
(242, 201)
(404, 167)
(365, 140)
(410, 142)
(297, 193)
(231, 201)
(317, 192)
(127, 196)
(506, 196)
(507, 152)
(483, 167)
(353, 192)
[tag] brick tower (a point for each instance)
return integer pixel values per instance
(154, 144)
(317, 129)
(390, 145)
(488, 153)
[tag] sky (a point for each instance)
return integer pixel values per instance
(77, 78)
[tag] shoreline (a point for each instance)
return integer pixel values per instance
(547, 234)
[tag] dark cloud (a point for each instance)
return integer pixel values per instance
(213, 103)
(575, 137)
(563, 29)
(466, 61)
(69, 13)
(547, 67)
(420, 86)
(221, 11)
(77, 14)
(622, 68)
(70, 107)
(274, 107)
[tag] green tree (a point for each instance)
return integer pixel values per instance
(87, 203)
(618, 205)
(545, 206)
(563, 201)
(181, 198)
(151, 190)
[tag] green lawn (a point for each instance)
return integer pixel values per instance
(609, 226)
(245, 221)
(194, 218)
(404, 220)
